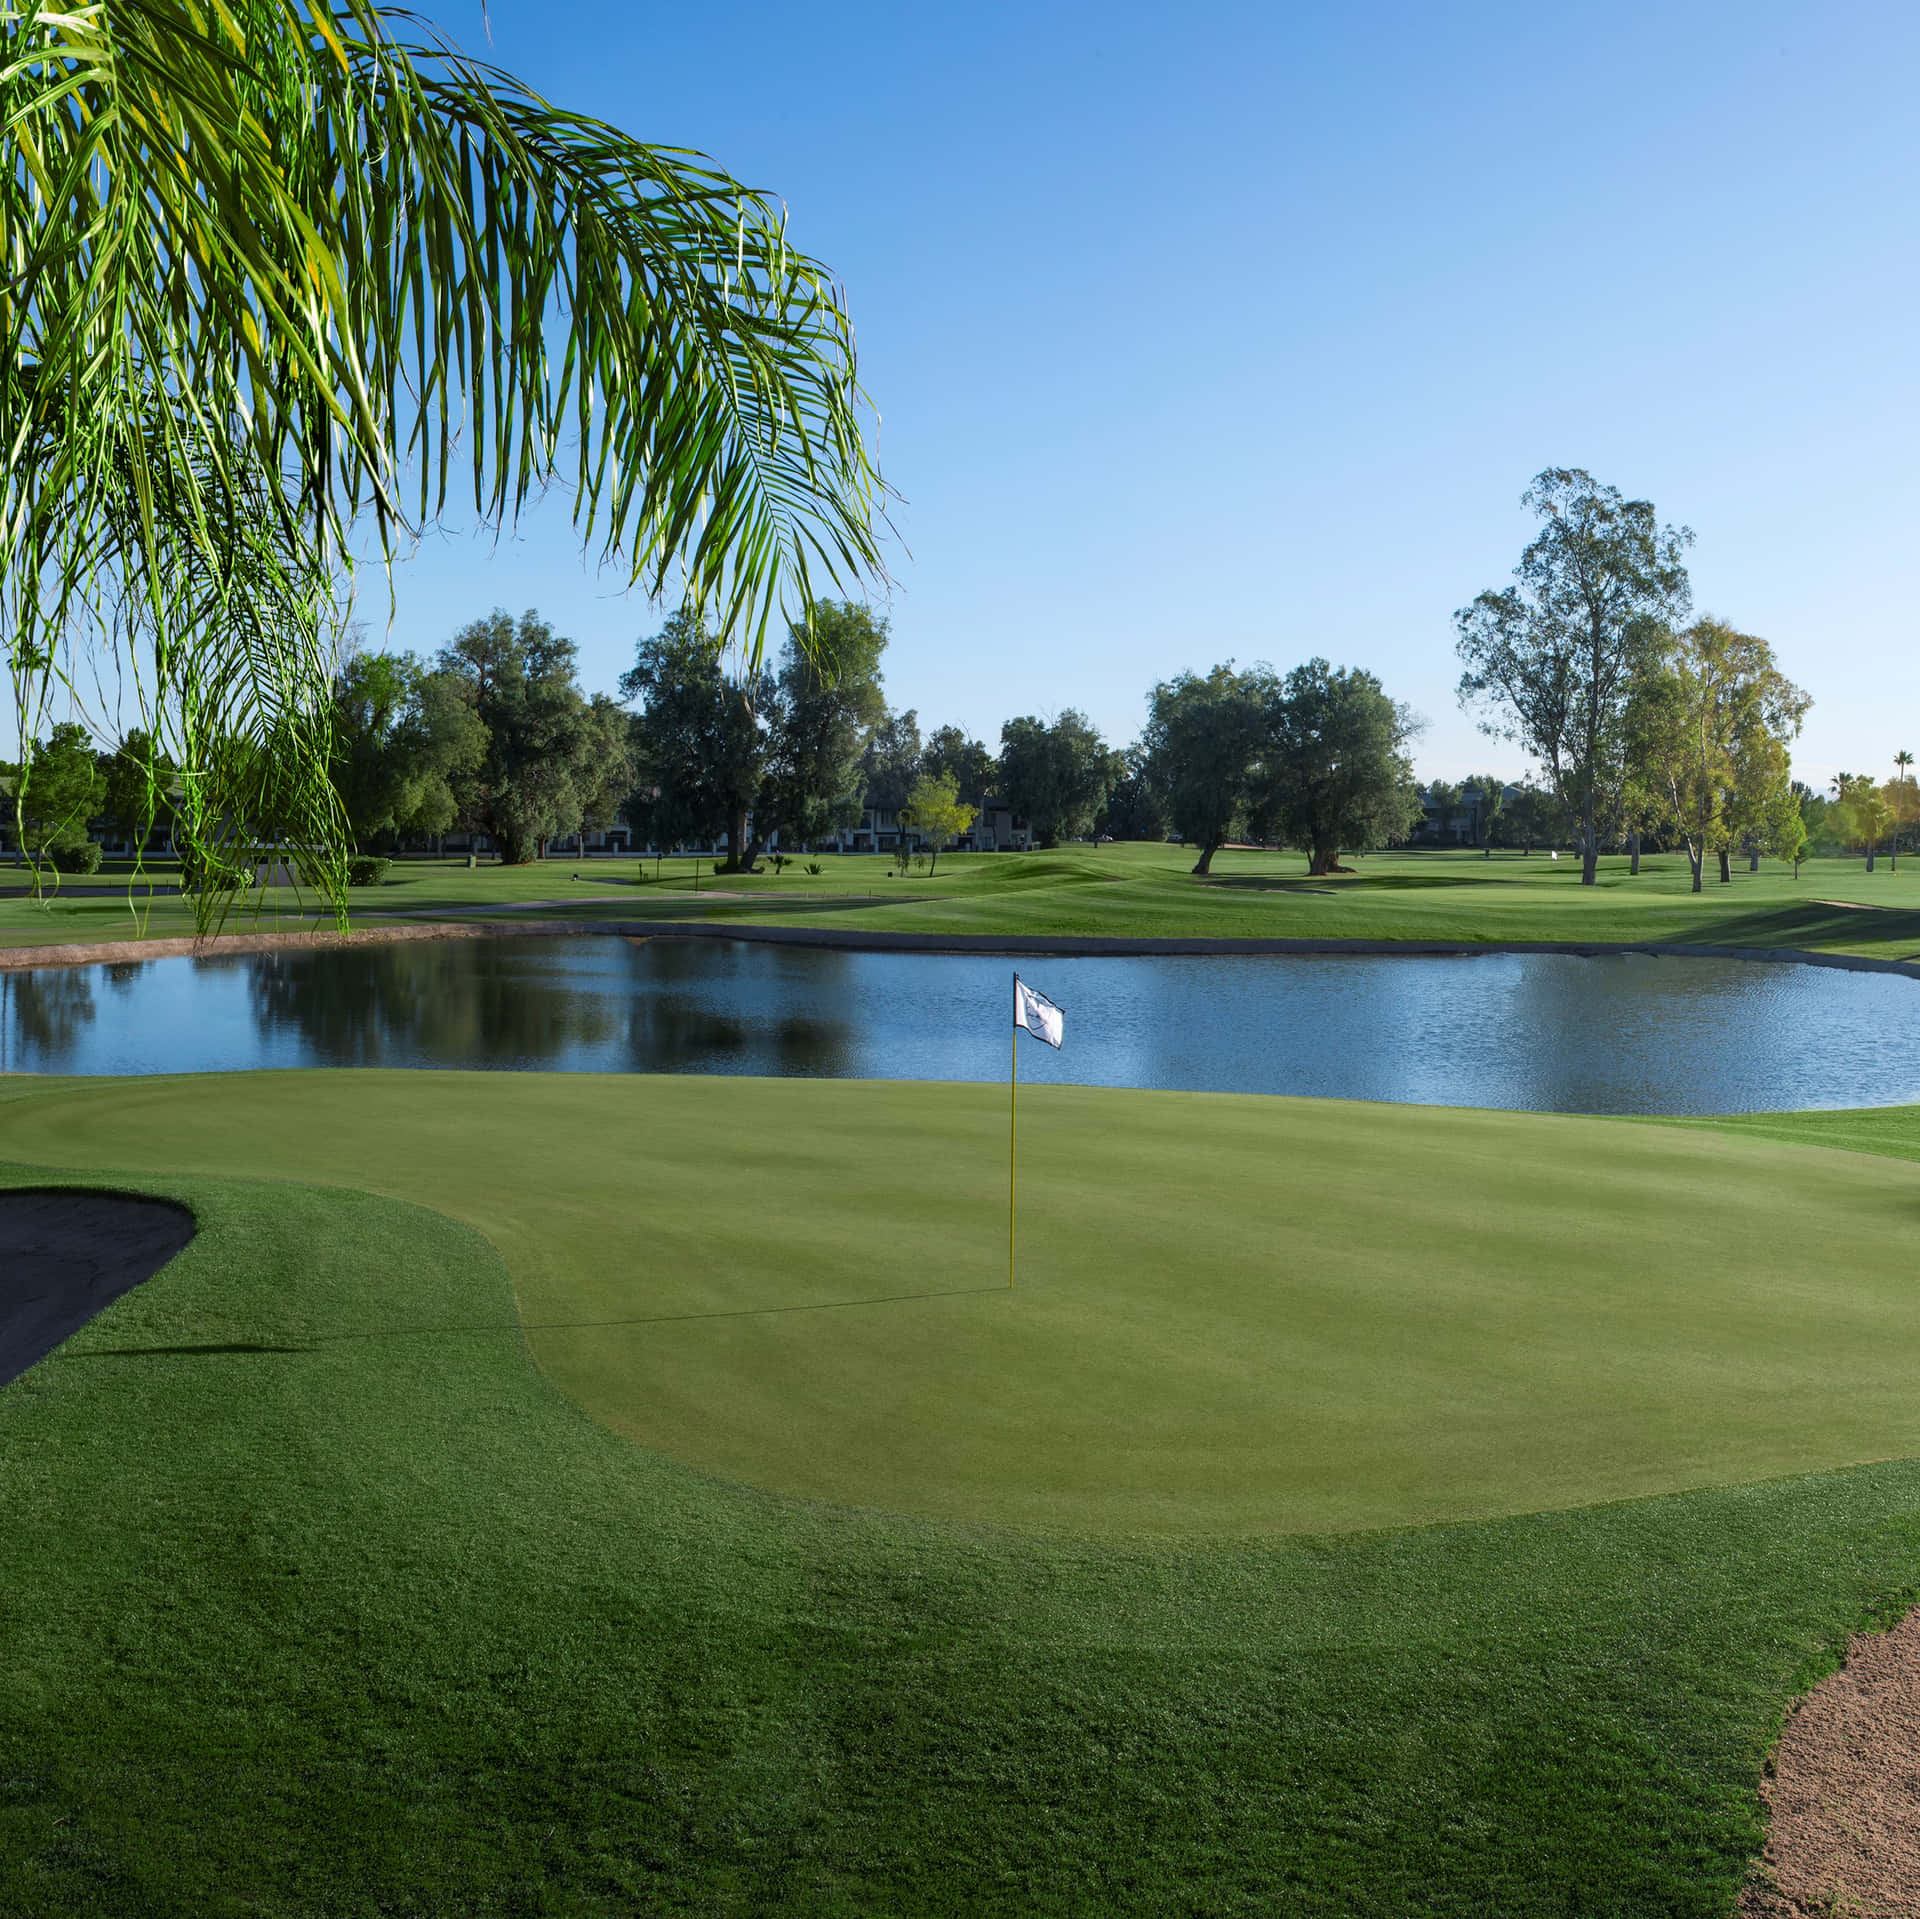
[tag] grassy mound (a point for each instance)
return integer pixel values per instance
(1235, 1315)
(320, 1601)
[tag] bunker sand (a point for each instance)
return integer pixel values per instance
(65, 1256)
(1845, 1791)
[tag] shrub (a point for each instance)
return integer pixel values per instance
(367, 869)
(81, 858)
(815, 868)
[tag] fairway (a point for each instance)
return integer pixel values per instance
(1233, 1315)
(1126, 892)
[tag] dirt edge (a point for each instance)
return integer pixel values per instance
(26, 959)
(1842, 1793)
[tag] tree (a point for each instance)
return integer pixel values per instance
(1822, 832)
(1443, 802)
(283, 270)
(1552, 661)
(1871, 817)
(1202, 739)
(700, 747)
(1710, 719)
(1762, 814)
(1903, 801)
(891, 761)
(1644, 806)
(1791, 842)
(57, 792)
(531, 781)
(371, 695)
(401, 736)
(608, 764)
(1486, 793)
(966, 761)
(828, 702)
(1135, 808)
(1535, 816)
(1055, 772)
(1861, 812)
(936, 812)
(446, 741)
(1335, 774)
(135, 790)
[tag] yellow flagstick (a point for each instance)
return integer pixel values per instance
(1013, 1101)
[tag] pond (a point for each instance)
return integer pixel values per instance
(1540, 1032)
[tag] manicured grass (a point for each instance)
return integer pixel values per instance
(1137, 891)
(1235, 1314)
(319, 1600)
(1148, 891)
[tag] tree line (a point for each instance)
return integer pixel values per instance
(494, 736)
(1650, 728)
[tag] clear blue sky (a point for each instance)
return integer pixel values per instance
(1216, 330)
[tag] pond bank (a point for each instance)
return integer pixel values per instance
(22, 959)
(1094, 946)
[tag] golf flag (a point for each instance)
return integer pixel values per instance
(1044, 1020)
(1037, 1013)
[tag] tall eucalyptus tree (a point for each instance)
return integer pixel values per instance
(283, 275)
(1552, 661)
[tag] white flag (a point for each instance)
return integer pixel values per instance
(1037, 1013)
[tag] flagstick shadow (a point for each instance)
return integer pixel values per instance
(523, 1326)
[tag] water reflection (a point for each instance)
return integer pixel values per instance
(431, 1003)
(47, 1011)
(1519, 1030)
(766, 1010)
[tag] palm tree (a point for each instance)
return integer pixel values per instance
(1901, 778)
(285, 276)
(1873, 815)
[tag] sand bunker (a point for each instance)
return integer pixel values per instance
(65, 1255)
(1845, 1793)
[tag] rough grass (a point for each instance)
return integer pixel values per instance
(1131, 891)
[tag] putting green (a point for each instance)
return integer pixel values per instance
(1233, 1314)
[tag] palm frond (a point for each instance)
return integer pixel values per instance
(308, 261)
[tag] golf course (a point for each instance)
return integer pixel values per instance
(575, 1493)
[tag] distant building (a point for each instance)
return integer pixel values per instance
(1452, 818)
(996, 829)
